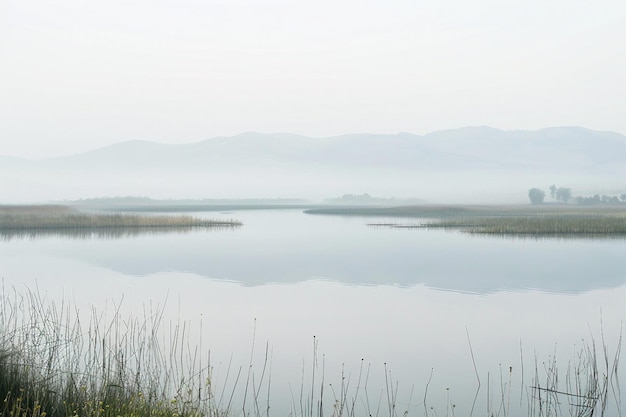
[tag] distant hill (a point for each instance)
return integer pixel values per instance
(465, 165)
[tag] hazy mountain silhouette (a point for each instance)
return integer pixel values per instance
(460, 163)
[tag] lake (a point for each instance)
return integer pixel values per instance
(438, 317)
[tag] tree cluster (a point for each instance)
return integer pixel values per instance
(564, 195)
(536, 195)
(601, 199)
(561, 194)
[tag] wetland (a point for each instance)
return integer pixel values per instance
(324, 300)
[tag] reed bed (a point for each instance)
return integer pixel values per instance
(56, 361)
(561, 225)
(560, 220)
(61, 217)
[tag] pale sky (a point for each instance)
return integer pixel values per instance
(76, 75)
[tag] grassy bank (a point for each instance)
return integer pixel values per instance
(61, 217)
(502, 220)
(558, 225)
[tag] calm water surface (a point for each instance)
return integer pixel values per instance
(412, 304)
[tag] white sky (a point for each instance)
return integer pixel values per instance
(77, 74)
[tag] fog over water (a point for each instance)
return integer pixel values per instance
(432, 102)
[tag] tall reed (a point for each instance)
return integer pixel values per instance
(61, 217)
(55, 362)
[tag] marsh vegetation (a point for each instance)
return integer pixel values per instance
(57, 217)
(64, 362)
(56, 361)
(558, 225)
(502, 220)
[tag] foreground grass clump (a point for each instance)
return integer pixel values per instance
(52, 366)
(61, 217)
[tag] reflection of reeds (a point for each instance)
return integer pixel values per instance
(586, 386)
(60, 217)
(590, 382)
(99, 233)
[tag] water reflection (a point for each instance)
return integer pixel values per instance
(99, 233)
(588, 237)
(364, 292)
(288, 247)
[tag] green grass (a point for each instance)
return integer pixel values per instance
(61, 217)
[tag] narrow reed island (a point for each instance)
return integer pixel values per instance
(558, 220)
(539, 226)
(62, 217)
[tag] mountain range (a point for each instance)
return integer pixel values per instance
(473, 164)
